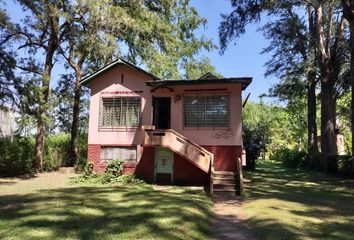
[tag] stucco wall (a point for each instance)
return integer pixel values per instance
(109, 84)
(207, 136)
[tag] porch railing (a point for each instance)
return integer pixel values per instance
(181, 145)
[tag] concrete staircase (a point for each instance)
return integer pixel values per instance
(181, 145)
(224, 182)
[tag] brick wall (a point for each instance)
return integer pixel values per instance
(145, 167)
(225, 157)
(185, 173)
(93, 155)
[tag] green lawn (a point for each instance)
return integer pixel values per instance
(101, 212)
(293, 204)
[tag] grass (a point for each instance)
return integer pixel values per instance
(87, 211)
(286, 203)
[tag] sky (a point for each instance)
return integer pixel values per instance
(241, 59)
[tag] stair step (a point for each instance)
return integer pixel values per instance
(224, 187)
(224, 173)
(223, 181)
(224, 190)
(224, 177)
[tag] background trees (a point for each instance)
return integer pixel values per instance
(82, 36)
(309, 45)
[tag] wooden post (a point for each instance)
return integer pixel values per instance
(239, 177)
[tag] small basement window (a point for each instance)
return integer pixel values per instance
(126, 154)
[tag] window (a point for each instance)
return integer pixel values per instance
(206, 111)
(120, 111)
(126, 154)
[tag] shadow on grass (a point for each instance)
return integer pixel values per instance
(322, 206)
(135, 212)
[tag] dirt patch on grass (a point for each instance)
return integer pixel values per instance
(228, 220)
(40, 181)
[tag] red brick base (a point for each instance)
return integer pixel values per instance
(225, 157)
(184, 172)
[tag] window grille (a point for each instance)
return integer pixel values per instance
(126, 154)
(206, 111)
(120, 111)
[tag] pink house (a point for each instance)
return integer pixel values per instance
(167, 131)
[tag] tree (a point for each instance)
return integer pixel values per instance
(7, 62)
(330, 61)
(40, 34)
(293, 62)
(348, 12)
(329, 36)
(97, 31)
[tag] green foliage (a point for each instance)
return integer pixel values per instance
(291, 157)
(88, 169)
(16, 156)
(270, 128)
(114, 168)
(113, 174)
(57, 152)
(344, 111)
(254, 142)
(108, 178)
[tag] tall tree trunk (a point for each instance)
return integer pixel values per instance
(75, 123)
(351, 26)
(39, 145)
(328, 121)
(312, 143)
(312, 138)
(45, 90)
(329, 69)
(348, 12)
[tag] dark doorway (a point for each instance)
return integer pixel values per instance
(162, 112)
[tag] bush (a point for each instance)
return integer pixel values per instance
(16, 156)
(290, 157)
(113, 174)
(115, 168)
(344, 166)
(58, 152)
(254, 142)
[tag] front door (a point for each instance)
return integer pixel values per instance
(162, 112)
(163, 165)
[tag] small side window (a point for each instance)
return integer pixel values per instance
(126, 154)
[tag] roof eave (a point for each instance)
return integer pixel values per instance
(106, 68)
(245, 82)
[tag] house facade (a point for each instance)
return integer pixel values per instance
(166, 131)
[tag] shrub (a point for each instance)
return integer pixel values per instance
(115, 168)
(291, 157)
(88, 169)
(254, 142)
(344, 166)
(16, 156)
(58, 152)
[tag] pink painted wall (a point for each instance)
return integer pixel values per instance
(207, 136)
(111, 82)
(135, 81)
